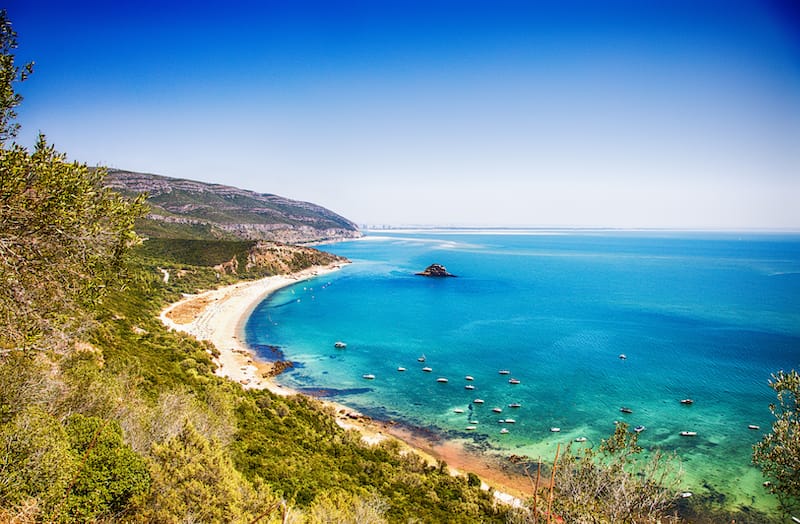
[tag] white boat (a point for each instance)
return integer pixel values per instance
(555, 430)
(503, 431)
(427, 369)
(753, 426)
(688, 433)
(504, 372)
(469, 386)
(477, 401)
(469, 377)
(513, 381)
(473, 421)
(401, 368)
(580, 439)
(421, 358)
(470, 428)
(686, 494)
(687, 401)
(510, 421)
(442, 380)
(339, 345)
(368, 376)
(622, 356)
(497, 410)
(515, 405)
(639, 429)
(626, 410)
(458, 410)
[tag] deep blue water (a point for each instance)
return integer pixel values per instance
(699, 315)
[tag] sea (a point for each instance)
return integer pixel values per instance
(587, 321)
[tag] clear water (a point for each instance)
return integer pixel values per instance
(705, 316)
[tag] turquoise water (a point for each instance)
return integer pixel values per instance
(705, 316)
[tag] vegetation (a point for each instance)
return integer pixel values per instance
(778, 453)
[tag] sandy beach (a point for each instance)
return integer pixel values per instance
(219, 315)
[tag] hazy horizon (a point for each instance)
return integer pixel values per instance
(619, 114)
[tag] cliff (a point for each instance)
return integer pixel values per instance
(182, 208)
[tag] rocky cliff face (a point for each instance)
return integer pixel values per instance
(233, 212)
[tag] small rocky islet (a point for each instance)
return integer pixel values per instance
(435, 270)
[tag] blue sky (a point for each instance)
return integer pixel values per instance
(569, 113)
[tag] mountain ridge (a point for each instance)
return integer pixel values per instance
(193, 209)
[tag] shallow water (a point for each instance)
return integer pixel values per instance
(705, 316)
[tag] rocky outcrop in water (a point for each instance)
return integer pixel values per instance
(435, 270)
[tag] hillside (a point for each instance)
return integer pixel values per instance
(189, 209)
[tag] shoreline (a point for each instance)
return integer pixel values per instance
(219, 316)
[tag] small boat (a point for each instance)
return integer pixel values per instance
(340, 345)
(504, 372)
(555, 430)
(469, 377)
(471, 428)
(510, 421)
(458, 410)
(687, 401)
(753, 426)
(469, 386)
(421, 359)
(427, 369)
(401, 368)
(622, 356)
(515, 405)
(688, 433)
(580, 439)
(503, 431)
(497, 410)
(639, 429)
(442, 380)
(513, 381)
(626, 410)
(368, 376)
(477, 401)
(473, 421)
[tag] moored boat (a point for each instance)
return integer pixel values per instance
(368, 376)
(688, 433)
(401, 368)
(469, 377)
(421, 358)
(513, 381)
(497, 410)
(515, 405)
(687, 401)
(639, 429)
(580, 439)
(503, 431)
(339, 345)
(477, 401)
(427, 369)
(504, 372)
(555, 430)
(471, 428)
(458, 410)
(753, 426)
(626, 410)
(442, 380)
(510, 421)
(469, 386)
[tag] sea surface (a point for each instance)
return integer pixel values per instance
(705, 316)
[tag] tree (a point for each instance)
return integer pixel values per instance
(614, 483)
(10, 74)
(778, 453)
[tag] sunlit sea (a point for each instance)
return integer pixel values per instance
(701, 316)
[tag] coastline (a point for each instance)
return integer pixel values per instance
(219, 316)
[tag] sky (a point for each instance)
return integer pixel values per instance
(637, 114)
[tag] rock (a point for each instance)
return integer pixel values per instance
(435, 270)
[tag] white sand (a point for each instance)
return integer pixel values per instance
(220, 320)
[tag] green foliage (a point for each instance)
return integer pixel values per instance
(197, 252)
(63, 238)
(778, 453)
(195, 480)
(10, 74)
(614, 483)
(36, 461)
(111, 473)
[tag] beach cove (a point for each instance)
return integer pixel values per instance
(219, 316)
